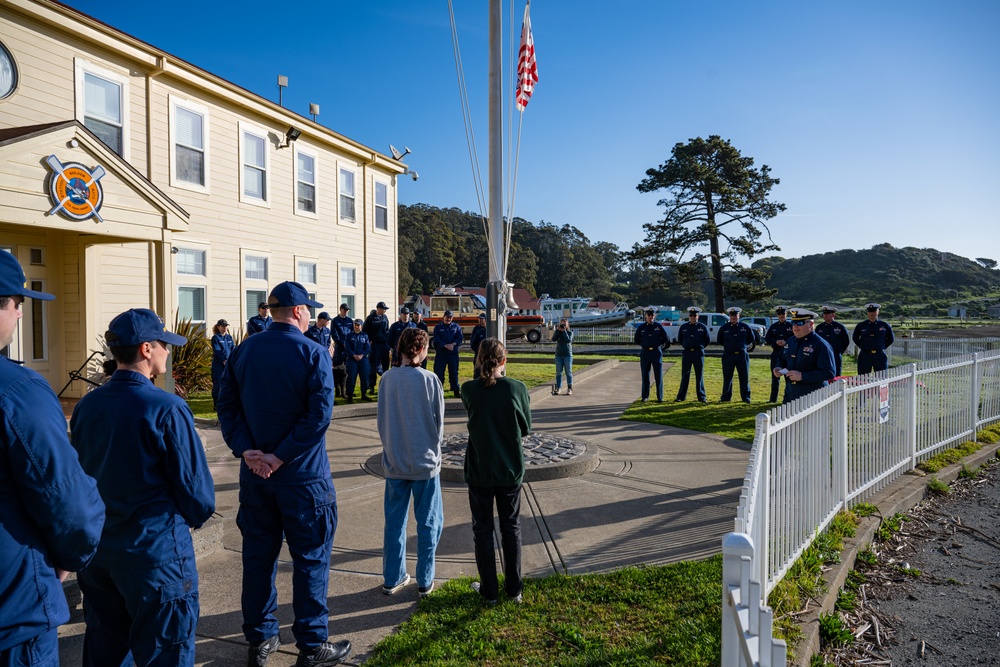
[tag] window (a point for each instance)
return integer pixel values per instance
(189, 144)
(306, 272)
(312, 309)
(305, 183)
(347, 195)
(381, 206)
(39, 349)
(349, 300)
(102, 104)
(348, 276)
(254, 173)
(191, 304)
(253, 297)
(37, 256)
(190, 262)
(255, 268)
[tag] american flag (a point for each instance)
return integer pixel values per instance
(527, 68)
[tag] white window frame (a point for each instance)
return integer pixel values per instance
(341, 168)
(246, 128)
(204, 301)
(267, 267)
(375, 206)
(308, 284)
(38, 284)
(81, 67)
(201, 110)
(295, 185)
(347, 292)
(247, 284)
(204, 262)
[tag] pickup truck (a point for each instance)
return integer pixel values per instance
(714, 321)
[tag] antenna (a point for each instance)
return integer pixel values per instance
(314, 110)
(282, 84)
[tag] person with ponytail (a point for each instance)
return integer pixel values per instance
(499, 417)
(411, 427)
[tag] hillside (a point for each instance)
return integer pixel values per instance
(882, 273)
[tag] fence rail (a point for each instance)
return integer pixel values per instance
(833, 448)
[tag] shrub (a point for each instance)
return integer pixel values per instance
(192, 362)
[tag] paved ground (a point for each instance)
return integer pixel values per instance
(658, 495)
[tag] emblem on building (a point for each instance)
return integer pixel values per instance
(75, 190)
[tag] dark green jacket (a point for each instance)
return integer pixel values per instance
(499, 416)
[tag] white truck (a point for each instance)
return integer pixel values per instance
(713, 321)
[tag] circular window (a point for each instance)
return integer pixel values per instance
(8, 72)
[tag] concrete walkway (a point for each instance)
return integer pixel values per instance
(659, 495)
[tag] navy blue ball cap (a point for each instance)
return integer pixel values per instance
(381, 304)
(404, 311)
(12, 280)
(262, 304)
(290, 293)
(448, 313)
(323, 316)
(358, 321)
(139, 325)
(482, 316)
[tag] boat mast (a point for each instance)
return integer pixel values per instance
(495, 319)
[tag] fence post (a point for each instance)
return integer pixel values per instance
(736, 547)
(976, 381)
(841, 444)
(762, 530)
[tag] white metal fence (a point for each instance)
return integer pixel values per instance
(833, 448)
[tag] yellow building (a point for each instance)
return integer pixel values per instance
(130, 178)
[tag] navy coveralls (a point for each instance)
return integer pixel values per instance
(256, 324)
(395, 332)
(734, 339)
(477, 336)
(286, 414)
(50, 516)
(872, 338)
(140, 593)
(835, 334)
(321, 335)
(777, 331)
(357, 343)
(694, 338)
(813, 357)
(377, 328)
(651, 336)
(443, 335)
(339, 328)
(222, 347)
(423, 327)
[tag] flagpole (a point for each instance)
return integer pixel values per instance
(495, 320)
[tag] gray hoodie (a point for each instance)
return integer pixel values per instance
(410, 423)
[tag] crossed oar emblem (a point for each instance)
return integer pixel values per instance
(75, 189)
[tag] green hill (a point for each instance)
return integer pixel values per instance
(882, 273)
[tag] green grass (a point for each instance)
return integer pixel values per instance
(633, 616)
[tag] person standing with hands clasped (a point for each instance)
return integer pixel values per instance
(872, 337)
(499, 417)
(563, 338)
(694, 338)
(834, 333)
(222, 347)
(411, 427)
(651, 337)
(777, 337)
(735, 338)
(477, 336)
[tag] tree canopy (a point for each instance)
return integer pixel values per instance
(716, 213)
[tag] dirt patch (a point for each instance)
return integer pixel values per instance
(932, 598)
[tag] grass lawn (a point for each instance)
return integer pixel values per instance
(633, 616)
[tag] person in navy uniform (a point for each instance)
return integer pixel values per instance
(51, 514)
(376, 325)
(140, 593)
(274, 410)
(397, 329)
(222, 347)
(872, 337)
(321, 332)
(447, 339)
(417, 318)
(259, 322)
(835, 334)
(777, 337)
(735, 337)
(358, 349)
(651, 337)
(340, 326)
(694, 338)
(807, 360)
(477, 336)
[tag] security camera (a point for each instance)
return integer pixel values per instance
(414, 175)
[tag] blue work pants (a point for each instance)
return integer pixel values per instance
(40, 651)
(450, 360)
(151, 613)
(869, 361)
(428, 511)
(379, 362)
(564, 363)
(692, 359)
(775, 381)
(651, 362)
(306, 515)
(356, 369)
(740, 361)
(508, 502)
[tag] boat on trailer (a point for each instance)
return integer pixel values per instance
(579, 313)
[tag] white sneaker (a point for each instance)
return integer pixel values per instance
(555, 392)
(569, 392)
(392, 590)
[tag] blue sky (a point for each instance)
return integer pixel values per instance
(882, 119)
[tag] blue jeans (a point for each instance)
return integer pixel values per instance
(40, 651)
(561, 364)
(428, 511)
